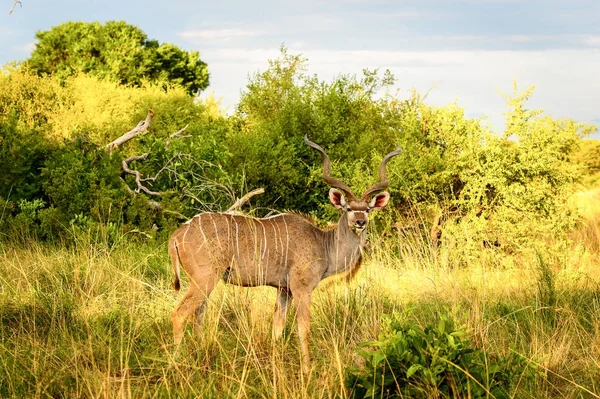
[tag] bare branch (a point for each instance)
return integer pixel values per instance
(244, 199)
(142, 127)
(166, 167)
(155, 205)
(137, 174)
(14, 5)
(178, 134)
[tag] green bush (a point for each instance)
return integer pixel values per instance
(81, 179)
(280, 106)
(438, 361)
(22, 153)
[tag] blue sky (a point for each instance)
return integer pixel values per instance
(465, 51)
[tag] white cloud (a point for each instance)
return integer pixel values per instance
(592, 41)
(531, 38)
(392, 15)
(566, 81)
(221, 36)
(25, 48)
(296, 24)
(313, 22)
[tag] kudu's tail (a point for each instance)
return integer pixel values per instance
(174, 253)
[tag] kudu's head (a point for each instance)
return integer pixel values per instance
(340, 195)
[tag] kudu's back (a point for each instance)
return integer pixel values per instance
(247, 251)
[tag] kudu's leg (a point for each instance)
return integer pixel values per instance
(198, 316)
(202, 282)
(302, 302)
(282, 305)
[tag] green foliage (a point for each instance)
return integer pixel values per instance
(80, 179)
(76, 178)
(85, 105)
(280, 106)
(117, 51)
(509, 189)
(22, 153)
(589, 155)
(437, 361)
(27, 221)
(516, 186)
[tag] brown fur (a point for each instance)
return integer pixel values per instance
(285, 251)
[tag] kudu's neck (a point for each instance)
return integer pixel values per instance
(344, 248)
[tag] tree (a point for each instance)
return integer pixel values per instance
(118, 51)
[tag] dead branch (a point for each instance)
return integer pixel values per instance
(142, 127)
(151, 204)
(137, 174)
(155, 205)
(166, 167)
(244, 199)
(14, 5)
(178, 134)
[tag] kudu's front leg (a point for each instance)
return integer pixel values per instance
(302, 302)
(282, 305)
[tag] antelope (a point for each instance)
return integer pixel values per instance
(285, 251)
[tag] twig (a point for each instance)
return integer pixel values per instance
(142, 127)
(178, 134)
(244, 199)
(14, 5)
(166, 167)
(138, 175)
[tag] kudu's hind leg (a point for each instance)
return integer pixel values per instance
(282, 305)
(194, 302)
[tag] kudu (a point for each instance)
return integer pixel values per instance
(285, 251)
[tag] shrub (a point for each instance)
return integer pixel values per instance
(407, 361)
(22, 153)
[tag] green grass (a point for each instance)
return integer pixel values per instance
(93, 320)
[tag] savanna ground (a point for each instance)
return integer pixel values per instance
(93, 320)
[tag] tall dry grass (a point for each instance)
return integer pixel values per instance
(93, 320)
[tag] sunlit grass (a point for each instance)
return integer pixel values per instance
(93, 320)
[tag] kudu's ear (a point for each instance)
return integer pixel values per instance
(337, 198)
(379, 201)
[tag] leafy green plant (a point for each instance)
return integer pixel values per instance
(437, 361)
(118, 51)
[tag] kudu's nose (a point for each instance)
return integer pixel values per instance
(361, 223)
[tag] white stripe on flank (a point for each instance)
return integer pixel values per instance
(216, 232)
(278, 237)
(201, 229)
(237, 241)
(265, 238)
(287, 242)
(185, 234)
(274, 236)
(228, 232)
